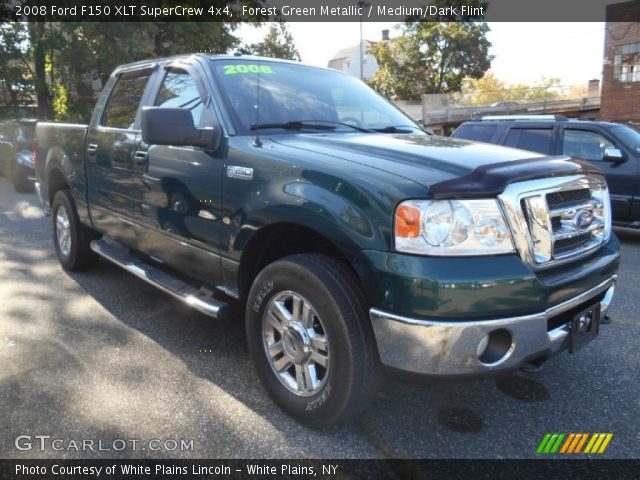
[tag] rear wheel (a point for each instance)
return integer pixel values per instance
(70, 238)
(311, 341)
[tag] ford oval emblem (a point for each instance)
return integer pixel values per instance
(583, 219)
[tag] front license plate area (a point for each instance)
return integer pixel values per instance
(584, 327)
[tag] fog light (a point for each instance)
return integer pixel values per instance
(495, 347)
(482, 346)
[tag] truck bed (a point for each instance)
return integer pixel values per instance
(61, 146)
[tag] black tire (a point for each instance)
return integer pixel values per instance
(20, 183)
(79, 256)
(353, 375)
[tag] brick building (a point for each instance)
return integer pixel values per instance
(620, 98)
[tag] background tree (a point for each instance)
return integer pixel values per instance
(93, 50)
(16, 75)
(63, 66)
(277, 43)
(432, 57)
(489, 89)
(484, 91)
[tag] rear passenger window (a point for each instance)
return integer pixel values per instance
(585, 144)
(122, 106)
(534, 139)
(179, 90)
(478, 133)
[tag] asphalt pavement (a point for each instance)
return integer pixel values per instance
(102, 357)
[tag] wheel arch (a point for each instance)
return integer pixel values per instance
(55, 182)
(56, 179)
(281, 239)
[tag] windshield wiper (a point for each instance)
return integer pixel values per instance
(310, 124)
(397, 129)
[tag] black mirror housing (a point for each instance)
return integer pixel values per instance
(174, 126)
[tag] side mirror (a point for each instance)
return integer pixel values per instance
(613, 155)
(174, 126)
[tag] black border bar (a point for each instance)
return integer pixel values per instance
(319, 10)
(319, 469)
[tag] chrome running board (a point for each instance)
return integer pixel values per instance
(167, 283)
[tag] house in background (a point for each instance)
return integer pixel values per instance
(348, 59)
(621, 73)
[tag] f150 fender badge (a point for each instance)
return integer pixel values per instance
(241, 173)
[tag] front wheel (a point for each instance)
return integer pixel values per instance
(70, 237)
(311, 341)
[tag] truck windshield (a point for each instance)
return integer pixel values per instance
(302, 98)
(629, 136)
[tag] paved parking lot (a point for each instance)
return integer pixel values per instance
(103, 356)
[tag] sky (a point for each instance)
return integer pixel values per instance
(523, 51)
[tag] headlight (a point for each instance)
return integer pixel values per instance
(451, 227)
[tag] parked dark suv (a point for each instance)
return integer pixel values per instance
(613, 147)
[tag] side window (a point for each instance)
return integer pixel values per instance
(479, 133)
(533, 139)
(179, 90)
(585, 144)
(122, 106)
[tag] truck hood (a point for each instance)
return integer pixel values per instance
(437, 162)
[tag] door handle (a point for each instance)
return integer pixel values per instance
(92, 148)
(140, 158)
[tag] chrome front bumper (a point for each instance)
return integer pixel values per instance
(456, 348)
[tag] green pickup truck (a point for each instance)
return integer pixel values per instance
(353, 239)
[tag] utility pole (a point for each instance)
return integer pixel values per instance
(360, 47)
(362, 4)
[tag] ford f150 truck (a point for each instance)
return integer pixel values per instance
(354, 239)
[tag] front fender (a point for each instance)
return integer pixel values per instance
(341, 212)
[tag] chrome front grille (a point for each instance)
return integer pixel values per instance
(558, 219)
(569, 196)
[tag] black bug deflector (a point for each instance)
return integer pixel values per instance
(491, 180)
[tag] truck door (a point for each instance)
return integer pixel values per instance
(180, 222)
(113, 177)
(590, 144)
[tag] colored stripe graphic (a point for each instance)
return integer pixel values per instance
(598, 443)
(553, 443)
(543, 443)
(592, 441)
(582, 442)
(605, 443)
(570, 438)
(577, 443)
(550, 443)
(556, 446)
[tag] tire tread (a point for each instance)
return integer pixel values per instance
(342, 286)
(81, 256)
